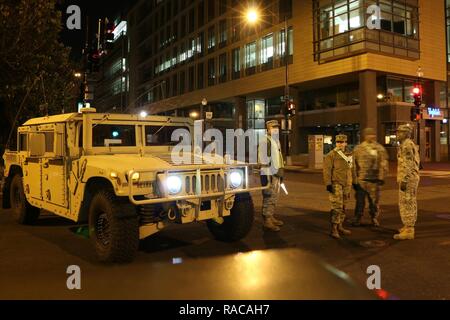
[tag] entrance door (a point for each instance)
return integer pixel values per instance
(428, 144)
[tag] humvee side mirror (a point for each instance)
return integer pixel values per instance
(37, 144)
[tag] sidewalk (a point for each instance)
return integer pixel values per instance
(428, 166)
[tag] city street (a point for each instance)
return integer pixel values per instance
(34, 259)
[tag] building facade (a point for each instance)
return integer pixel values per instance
(351, 64)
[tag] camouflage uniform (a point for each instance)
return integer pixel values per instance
(337, 172)
(273, 174)
(408, 173)
(370, 165)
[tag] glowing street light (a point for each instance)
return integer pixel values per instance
(143, 114)
(77, 75)
(252, 15)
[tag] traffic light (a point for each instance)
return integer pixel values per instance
(416, 110)
(417, 94)
(109, 36)
(291, 108)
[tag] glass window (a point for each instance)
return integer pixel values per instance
(49, 141)
(200, 76)
(211, 38)
(394, 90)
(267, 49)
(222, 32)
(250, 55)
(106, 135)
(223, 68)
(211, 72)
(161, 135)
(236, 63)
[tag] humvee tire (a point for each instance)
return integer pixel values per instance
(24, 212)
(238, 224)
(115, 236)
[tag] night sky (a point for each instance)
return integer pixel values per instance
(90, 10)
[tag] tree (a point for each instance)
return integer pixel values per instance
(31, 56)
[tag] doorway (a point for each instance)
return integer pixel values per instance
(428, 138)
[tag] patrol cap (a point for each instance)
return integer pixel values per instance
(369, 132)
(341, 137)
(405, 128)
(272, 123)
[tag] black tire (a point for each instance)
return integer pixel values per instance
(113, 228)
(23, 211)
(236, 226)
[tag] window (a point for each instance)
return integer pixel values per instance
(200, 43)
(174, 85)
(23, 142)
(211, 9)
(285, 8)
(341, 27)
(106, 135)
(236, 31)
(182, 82)
(222, 33)
(201, 14)
(236, 63)
(191, 79)
(250, 55)
(200, 76)
(223, 68)
(267, 51)
(191, 20)
(211, 72)
(183, 26)
(161, 135)
(222, 7)
(211, 38)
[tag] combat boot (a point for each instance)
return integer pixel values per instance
(401, 229)
(357, 221)
(375, 222)
(345, 232)
(406, 234)
(277, 222)
(335, 231)
(269, 225)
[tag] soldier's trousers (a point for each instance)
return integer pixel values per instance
(408, 202)
(371, 191)
(270, 196)
(339, 200)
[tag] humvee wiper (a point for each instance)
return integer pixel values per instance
(105, 118)
(163, 126)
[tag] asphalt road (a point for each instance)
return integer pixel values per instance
(34, 259)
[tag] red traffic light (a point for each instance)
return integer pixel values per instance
(417, 91)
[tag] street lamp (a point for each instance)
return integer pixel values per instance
(77, 75)
(252, 16)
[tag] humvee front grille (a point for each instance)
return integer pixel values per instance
(209, 183)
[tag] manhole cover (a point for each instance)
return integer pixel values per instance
(443, 216)
(373, 244)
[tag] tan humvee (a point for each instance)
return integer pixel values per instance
(115, 171)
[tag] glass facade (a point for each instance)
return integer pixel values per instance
(343, 27)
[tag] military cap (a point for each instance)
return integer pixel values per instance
(368, 132)
(272, 123)
(405, 127)
(341, 137)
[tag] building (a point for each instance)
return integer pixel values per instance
(347, 69)
(111, 71)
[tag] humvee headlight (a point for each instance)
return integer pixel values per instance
(135, 177)
(236, 179)
(174, 184)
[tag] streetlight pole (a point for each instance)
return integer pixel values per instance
(286, 89)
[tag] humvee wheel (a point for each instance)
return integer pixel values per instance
(114, 234)
(24, 212)
(238, 224)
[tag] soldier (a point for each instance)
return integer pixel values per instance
(337, 175)
(274, 174)
(370, 165)
(408, 178)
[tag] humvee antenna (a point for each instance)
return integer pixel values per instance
(18, 111)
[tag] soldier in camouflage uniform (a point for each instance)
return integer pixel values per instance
(338, 177)
(274, 174)
(370, 165)
(408, 178)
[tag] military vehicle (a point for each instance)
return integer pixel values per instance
(115, 173)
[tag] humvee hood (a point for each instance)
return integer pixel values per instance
(160, 161)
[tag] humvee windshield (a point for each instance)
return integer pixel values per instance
(107, 135)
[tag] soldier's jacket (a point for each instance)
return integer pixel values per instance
(336, 170)
(370, 162)
(408, 161)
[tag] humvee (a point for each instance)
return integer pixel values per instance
(115, 173)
